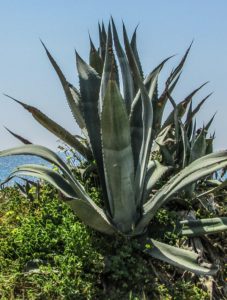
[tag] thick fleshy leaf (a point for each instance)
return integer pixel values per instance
(89, 88)
(179, 67)
(183, 259)
(110, 68)
(56, 129)
(181, 107)
(171, 83)
(136, 115)
(19, 137)
(148, 82)
(87, 211)
(201, 227)
(198, 148)
(209, 147)
(47, 155)
(73, 98)
(196, 170)
(48, 175)
(102, 41)
(167, 157)
(51, 157)
(135, 52)
(127, 79)
(209, 123)
(118, 159)
(160, 139)
(39, 151)
(95, 60)
(147, 117)
(154, 173)
(192, 113)
(186, 145)
(137, 122)
(160, 104)
(91, 215)
(188, 124)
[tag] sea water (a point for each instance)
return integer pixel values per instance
(8, 164)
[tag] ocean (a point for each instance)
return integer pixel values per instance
(9, 163)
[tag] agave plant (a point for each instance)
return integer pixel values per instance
(180, 143)
(120, 130)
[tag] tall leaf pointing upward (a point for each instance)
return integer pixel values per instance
(118, 159)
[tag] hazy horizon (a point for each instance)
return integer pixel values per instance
(164, 29)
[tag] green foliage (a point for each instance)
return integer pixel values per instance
(47, 253)
(119, 131)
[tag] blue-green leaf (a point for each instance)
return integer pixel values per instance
(184, 259)
(118, 159)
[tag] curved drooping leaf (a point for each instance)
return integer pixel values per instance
(51, 157)
(87, 211)
(19, 137)
(48, 175)
(56, 129)
(201, 227)
(196, 170)
(73, 98)
(118, 159)
(184, 259)
(85, 208)
(127, 79)
(39, 151)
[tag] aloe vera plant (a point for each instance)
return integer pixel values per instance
(120, 130)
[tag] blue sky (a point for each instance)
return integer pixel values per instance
(165, 28)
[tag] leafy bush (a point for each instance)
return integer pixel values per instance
(47, 253)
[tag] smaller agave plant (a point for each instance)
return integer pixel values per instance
(120, 130)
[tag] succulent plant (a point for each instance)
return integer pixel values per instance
(120, 130)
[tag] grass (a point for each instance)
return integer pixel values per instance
(47, 253)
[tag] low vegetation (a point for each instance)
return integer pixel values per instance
(47, 253)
